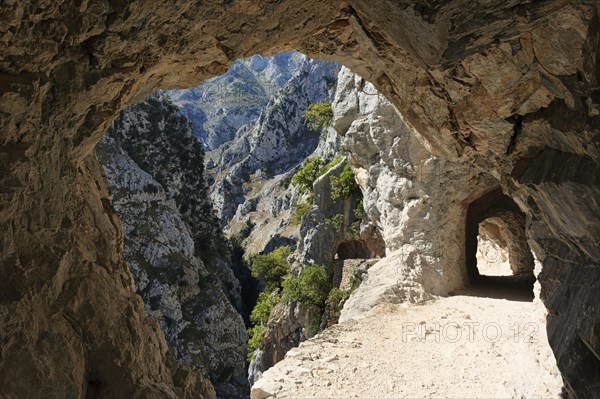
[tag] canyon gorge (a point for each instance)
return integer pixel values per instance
(462, 129)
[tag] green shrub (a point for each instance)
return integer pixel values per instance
(319, 115)
(310, 171)
(354, 230)
(311, 287)
(344, 185)
(313, 168)
(300, 208)
(336, 222)
(337, 296)
(272, 267)
(335, 301)
(256, 341)
(263, 308)
(339, 157)
(359, 210)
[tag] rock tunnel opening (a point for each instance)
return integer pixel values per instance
(120, 50)
(202, 182)
(353, 249)
(498, 258)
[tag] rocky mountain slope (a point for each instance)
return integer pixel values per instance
(173, 243)
(219, 107)
(270, 142)
(414, 211)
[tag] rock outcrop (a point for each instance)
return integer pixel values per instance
(413, 198)
(173, 244)
(328, 222)
(506, 88)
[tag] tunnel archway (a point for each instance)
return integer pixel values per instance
(495, 221)
(68, 80)
(352, 249)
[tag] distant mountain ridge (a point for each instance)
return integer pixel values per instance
(220, 106)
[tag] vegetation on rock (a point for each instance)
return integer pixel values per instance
(319, 115)
(312, 168)
(257, 336)
(344, 185)
(272, 267)
(300, 208)
(309, 172)
(311, 287)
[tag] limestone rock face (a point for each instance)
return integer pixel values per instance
(411, 196)
(419, 202)
(273, 143)
(289, 324)
(507, 88)
(163, 203)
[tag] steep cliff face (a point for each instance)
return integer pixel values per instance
(423, 205)
(273, 144)
(173, 244)
(509, 88)
(411, 197)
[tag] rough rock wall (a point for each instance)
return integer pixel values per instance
(269, 203)
(415, 199)
(292, 322)
(418, 201)
(509, 87)
(147, 155)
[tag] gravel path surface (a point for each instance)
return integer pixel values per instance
(463, 346)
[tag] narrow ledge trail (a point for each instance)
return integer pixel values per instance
(471, 345)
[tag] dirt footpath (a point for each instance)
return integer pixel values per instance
(457, 347)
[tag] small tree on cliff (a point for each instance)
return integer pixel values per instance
(319, 115)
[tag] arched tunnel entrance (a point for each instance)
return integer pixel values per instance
(62, 246)
(353, 249)
(498, 258)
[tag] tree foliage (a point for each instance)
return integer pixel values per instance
(263, 308)
(300, 208)
(256, 341)
(309, 172)
(271, 267)
(312, 168)
(344, 185)
(311, 287)
(319, 115)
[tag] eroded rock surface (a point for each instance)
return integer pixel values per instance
(507, 88)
